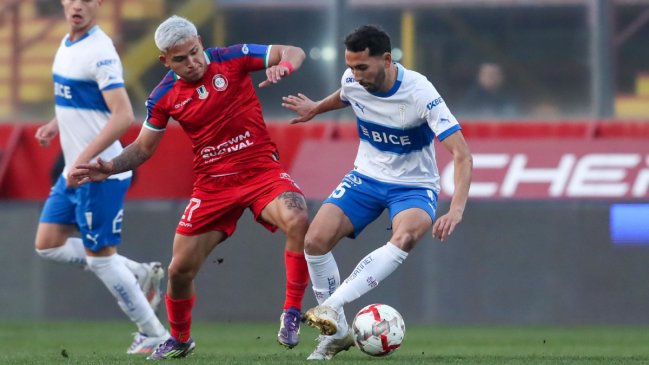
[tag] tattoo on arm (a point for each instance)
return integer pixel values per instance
(293, 200)
(131, 157)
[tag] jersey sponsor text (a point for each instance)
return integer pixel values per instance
(63, 91)
(235, 144)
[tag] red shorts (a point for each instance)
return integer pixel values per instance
(217, 203)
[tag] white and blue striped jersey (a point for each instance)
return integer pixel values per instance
(397, 128)
(82, 70)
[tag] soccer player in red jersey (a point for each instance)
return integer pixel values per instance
(211, 95)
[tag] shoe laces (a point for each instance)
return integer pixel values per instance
(292, 319)
(323, 344)
(138, 338)
(167, 345)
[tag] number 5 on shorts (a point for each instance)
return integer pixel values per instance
(340, 190)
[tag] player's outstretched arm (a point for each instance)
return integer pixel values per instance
(282, 61)
(131, 157)
(97, 171)
(463, 164)
(306, 108)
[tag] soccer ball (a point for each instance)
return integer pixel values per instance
(378, 329)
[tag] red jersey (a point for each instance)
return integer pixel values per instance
(220, 113)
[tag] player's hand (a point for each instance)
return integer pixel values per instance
(274, 74)
(98, 171)
(71, 181)
(46, 133)
(302, 105)
(445, 225)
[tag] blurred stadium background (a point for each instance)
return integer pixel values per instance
(557, 230)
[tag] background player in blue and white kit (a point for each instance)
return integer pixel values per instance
(399, 113)
(92, 112)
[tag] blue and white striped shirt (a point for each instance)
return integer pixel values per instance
(82, 70)
(397, 129)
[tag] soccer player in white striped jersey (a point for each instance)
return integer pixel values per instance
(92, 112)
(399, 114)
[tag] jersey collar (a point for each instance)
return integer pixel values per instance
(395, 87)
(69, 43)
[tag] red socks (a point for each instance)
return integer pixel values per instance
(297, 278)
(179, 312)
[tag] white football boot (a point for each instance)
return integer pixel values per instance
(328, 346)
(151, 283)
(324, 318)
(143, 344)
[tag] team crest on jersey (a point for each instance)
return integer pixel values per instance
(402, 113)
(219, 82)
(202, 92)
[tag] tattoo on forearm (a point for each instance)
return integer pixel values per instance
(131, 157)
(293, 200)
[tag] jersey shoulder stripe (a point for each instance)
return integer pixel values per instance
(113, 86)
(448, 132)
(237, 51)
(161, 90)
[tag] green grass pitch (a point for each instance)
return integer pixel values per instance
(253, 343)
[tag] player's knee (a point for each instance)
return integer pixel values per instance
(297, 223)
(45, 243)
(405, 240)
(181, 275)
(315, 245)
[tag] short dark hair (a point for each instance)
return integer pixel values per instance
(369, 37)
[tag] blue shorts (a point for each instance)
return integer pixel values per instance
(95, 208)
(363, 199)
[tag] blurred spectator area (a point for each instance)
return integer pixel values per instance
(561, 58)
(31, 32)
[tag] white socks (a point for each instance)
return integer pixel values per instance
(136, 268)
(122, 284)
(72, 252)
(370, 271)
(325, 279)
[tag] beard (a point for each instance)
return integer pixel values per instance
(376, 85)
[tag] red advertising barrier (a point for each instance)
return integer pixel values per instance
(512, 160)
(167, 175)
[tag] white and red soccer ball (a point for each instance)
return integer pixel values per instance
(378, 329)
